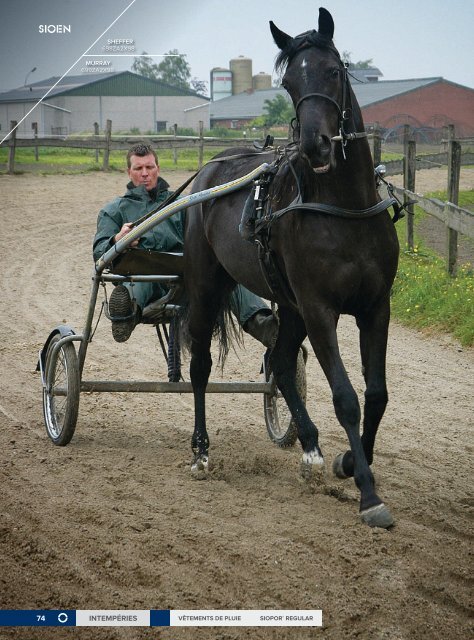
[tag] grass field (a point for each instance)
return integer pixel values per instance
(424, 296)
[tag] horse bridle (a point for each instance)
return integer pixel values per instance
(344, 110)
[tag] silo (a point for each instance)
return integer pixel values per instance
(221, 83)
(241, 68)
(262, 81)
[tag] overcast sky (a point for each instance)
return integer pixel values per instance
(405, 38)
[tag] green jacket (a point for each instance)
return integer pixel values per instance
(137, 201)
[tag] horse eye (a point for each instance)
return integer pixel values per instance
(335, 73)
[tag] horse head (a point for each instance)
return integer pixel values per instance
(316, 80)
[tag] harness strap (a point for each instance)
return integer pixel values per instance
(327, 209)
(317, 95)
(275, 280)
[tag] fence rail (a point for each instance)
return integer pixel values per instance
(108, 143)
(456, 219)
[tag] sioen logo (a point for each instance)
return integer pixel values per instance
(54, 28)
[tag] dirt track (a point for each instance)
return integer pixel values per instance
(114, 520)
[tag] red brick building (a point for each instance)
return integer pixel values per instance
(434, 104)
(424, 103)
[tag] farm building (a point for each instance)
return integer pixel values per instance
(426, 104)
(131, 101)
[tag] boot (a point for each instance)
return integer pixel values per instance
(263, 326)
(123, 312)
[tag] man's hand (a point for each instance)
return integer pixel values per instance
(126, 228)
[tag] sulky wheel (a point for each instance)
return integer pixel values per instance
(61, 394)
(280, 425)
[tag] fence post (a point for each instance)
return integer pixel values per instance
(406, 138)
(96, 133)
(201, 144)
(377, 149)
(12, 147)
(409, 172)
(108, 135)
(34, 126)
(175, 150)
(454, 172)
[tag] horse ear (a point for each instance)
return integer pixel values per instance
(281, 38)
(325, 24)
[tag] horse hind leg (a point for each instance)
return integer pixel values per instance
(204, 304)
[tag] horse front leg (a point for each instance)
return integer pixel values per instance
(283, 361)
(323, 336)
(373, 338)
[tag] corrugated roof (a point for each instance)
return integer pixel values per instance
(371, 92)
(92, 84)
(363, 74)
(244, 105)
(251, 104)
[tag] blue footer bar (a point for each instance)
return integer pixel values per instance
(161, 618)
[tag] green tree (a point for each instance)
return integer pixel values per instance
(175, 70)
(145, 66)
(200, 86)
(278, 111)
(361, 64)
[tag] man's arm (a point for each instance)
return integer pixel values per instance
(108, 226)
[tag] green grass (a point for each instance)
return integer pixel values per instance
(61, 160)
(388, 156)
(465, 200)
(425, 297)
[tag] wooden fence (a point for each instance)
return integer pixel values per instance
(456, 219)
(106, 143)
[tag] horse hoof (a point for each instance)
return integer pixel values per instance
(200, 468)
(378, 516)
(312, 465)
(337, 467)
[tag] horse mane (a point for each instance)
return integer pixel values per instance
(305, 40)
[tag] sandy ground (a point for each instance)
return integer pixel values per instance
(114, 520)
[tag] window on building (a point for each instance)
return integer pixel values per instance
(160, 125)
(59, 131)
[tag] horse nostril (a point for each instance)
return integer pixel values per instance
(324, 143)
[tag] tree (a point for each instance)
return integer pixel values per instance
(279, 111)
(175, 70)
(199, 86)
(361, 64)
(145, 66)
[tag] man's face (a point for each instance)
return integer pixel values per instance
(144, 170)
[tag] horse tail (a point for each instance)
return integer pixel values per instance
(226, 330)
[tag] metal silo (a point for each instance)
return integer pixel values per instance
(241, 68)
(221, 83)
(262, 81)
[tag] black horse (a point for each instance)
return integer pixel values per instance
(329, 246)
